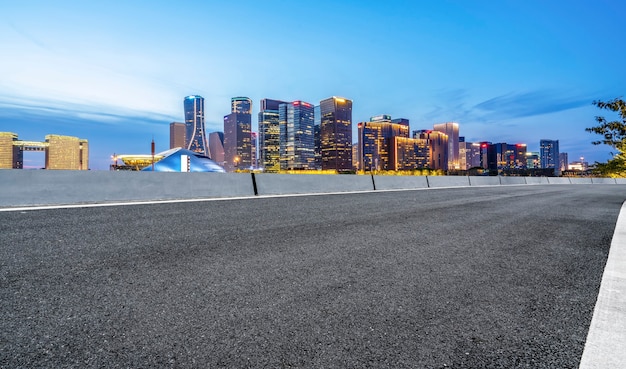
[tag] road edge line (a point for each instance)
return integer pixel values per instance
(606, 338)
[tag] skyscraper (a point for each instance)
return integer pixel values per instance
(66, 152)
(563, 161)
(451, 129)
(297, 141)
(409, 153)
(195, 135)
(549, 155)
(437, 143)
(317, 133)
(11, 156)
(375, 144)
(254, 139)
(269, 135)
(177, 135)
(216, 147)
(336, 134)
(237, 138)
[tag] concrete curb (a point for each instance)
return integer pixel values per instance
(606, 338)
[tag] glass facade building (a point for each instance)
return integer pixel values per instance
(437, 143)
(177, 134)
(237, 135)
(451, 130)
(269, 135)
(375, 144)
(317, 132)
(216, 147)
(336, 134)
(549, 155)
(409, 153)
(297, 139)
(195, 134)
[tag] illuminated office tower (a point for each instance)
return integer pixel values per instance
(237, 137)
(216, 147)
(336, 134)
(563, 161)
(408, 153)
(177, 134)
(375, 142)
(469, 154)
(297, 141)
(254, 139)
(317, 134)
(532, 160)
(452, 131)
(11, 156)
(65, 152)
(438, 148)
(195, 135)
(269, 135)
(549, 151)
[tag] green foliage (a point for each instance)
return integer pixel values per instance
(613, 134)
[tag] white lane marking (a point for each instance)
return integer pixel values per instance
(174, 201)
(606, 339)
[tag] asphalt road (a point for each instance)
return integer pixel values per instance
(499, 277)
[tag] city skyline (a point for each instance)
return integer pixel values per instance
(515, 72)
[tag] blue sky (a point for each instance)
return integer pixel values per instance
(116, 72)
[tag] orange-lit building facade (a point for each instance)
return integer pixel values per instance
(375, 142)
(437, 148)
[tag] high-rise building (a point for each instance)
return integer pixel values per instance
(317, 134)
(437, 143)
(177, 135)
(464, 148)
(409, 153)
(375, 144)
(62, 152)
(549, 155)
(269, 136)
(66, 152)
(297, 140)
(237, 137)
(336, 134)
(254, 138)
(195, 133)
(11, 156)
(402, 121)
(451, 129)
(216, 147)
(532, 160)
(563, 161)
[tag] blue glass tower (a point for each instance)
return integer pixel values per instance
(297, 141)
(195, 138)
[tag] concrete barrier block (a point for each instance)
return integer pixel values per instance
(620, 180)
(448, 181)
(580, 180)
(400, 182)
(505, 180)
(282, 184)
(603, 181)
(536, 180)
(484, 180)
(558, 180)
(57, 187)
